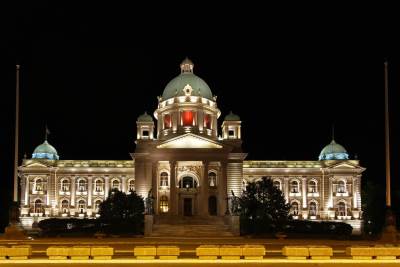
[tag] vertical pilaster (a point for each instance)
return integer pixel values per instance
(73, 185)
(173, 192)
(304, 191)
(90, 190)
(203, 201)
(330, 194)
(155, 184)
(124, 181)
(106, 186)
(26, 190)
(286, 188)
(222, 191)
(354, 192)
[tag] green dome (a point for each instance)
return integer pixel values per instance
(187, 77)
(232, 117)
(45, 151)
(145, 118)
(333, 151)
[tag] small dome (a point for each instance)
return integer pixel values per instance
(333, 151)
(145, 118)
(45, 151)
(177, 85)
(232, 117)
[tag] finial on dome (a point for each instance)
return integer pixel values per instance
(47, 132)
(187, 66)
(333, 132)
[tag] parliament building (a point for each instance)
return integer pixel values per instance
(191, 165)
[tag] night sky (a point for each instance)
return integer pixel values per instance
(90, 71)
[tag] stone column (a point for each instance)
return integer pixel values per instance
(304, 192)
(106, 186)
(173, 202)
(222, 191)
(27, 190)
(90, 191)
(155, 185)
(286, 188)
(354, 192)
(203, 201)
(330, 194)
(73, 191)
(48, 188)
(123, 181)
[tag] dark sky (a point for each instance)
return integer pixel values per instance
(89, 71)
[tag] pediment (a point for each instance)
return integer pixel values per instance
(344, 165)
(36, 165)
(189, 141)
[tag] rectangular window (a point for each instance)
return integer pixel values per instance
(145, 133)
(187, 118)
(207, 121)
(231, 133)
(167, 121)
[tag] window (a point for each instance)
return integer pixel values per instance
(38, 206)
(295, 208)
(313, 209)
(207, 121)
(65, 185)
(81, 206)
(341, 187)
(97, 205)
(294, 187)
(131, 185)
(164, 179)
(145, 133)
(64, 206)
(98, 186)
(167, 121)
(312, 187)
(277, 184)
(212, 179)
(115, 184)
(81, 185)
(341, 209)
(231, 133)
(38, 185)
(187, 182)
(164, 204)
(187, 118)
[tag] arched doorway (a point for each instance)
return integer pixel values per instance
(212, 205)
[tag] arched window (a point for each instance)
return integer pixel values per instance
(65, 185)
(295, 208)
(81, 206)
(294, 187)
(164, 179)
(38, 185)
(312, 187)
(97, 205)
(188, 182)
(98, 185)
(167, 121)
(277, 184)
(164, 204)
(212, 179)
(115, 184)
(131, 185)
(81, 185)
(64, 206)
(341, 208)
(341, 188)
(207, 121)
(313, 209)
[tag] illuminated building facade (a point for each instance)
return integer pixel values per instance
(191, 169)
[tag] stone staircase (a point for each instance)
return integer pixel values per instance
(193, 226)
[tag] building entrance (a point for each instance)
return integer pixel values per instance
(187, 207)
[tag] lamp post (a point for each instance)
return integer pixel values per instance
(389, 232)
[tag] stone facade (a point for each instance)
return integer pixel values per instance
(188, 167)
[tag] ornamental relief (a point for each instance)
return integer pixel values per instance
(193, 169)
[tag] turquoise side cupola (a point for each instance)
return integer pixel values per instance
(45, 151)
(333, 151)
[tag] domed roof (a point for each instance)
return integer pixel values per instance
(145, 118)
(333, 151)
(232, 117)
(177, 85)
(45, 151)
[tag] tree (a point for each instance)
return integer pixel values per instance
(263, 208)
(373, 206)
(123, 212)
